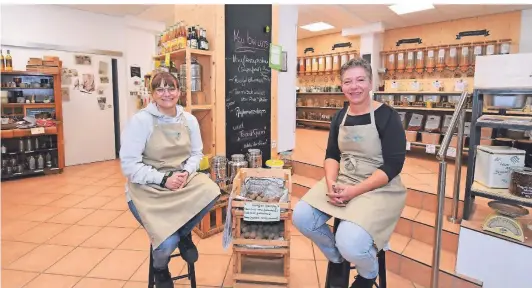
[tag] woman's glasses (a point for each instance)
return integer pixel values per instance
(170, 90)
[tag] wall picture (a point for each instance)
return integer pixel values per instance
(83, 60)
(87, 84)
(104, 79)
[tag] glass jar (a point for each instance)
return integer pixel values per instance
(336, 62)
(410, 61)
(321, 63)
(430, 62)
(328, 63)
(452, 60)
(400, 61)
(478, 50)
(286, 156)
(504, 47)
(441, 59)
(308, 64)
(344, 58)
(315, 65)
(301, 64)
(464, 55)
(390, 63)
(420, 60)
(352, 56)
(491, 47)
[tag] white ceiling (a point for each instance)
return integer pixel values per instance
(338, 15)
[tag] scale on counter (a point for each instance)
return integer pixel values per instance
(503, 222)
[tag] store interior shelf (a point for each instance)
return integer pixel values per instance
(416, 93)
(507, 122)
(320, 93)
(26, 88)
(27, 73)
(32, 105)
(32, 173)
(499, 194)
(315, 107)
(200, 107)
(182, 52)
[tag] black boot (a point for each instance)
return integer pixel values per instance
(163, 279)
(187, 249)
(361, 282)
(338, 275)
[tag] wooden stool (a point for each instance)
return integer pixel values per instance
(347, 266)
(191, 275)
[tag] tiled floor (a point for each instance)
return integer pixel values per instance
(75, 230)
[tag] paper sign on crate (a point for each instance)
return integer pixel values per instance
(262, 212)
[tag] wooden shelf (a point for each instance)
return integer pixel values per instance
(416, 93)
(181, 53)
(28, 73)
(200, 107)
(320, 93)
(30, 105)
(313, 107)
(499, 194)
(26, 88)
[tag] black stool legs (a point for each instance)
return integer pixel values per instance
(191, 275)
(346, 267)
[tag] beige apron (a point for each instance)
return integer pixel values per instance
(377, 211)
(161, 210)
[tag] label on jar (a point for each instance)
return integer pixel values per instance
(400, 56)
(478, 50)
(391, 59)
(441, 53)
(465, 51)
(430, 53)
(410, 55)
(505, 48)
(452, 52)
(419, 55)
(490, 49)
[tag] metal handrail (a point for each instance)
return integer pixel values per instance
(457, 119)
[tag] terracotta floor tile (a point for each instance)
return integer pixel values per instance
(14, 211)
(213, 245)
(79, 262)
(50, 280)
(74, 235)
(398, 242)
(100, 218)
(71, 216)
(108, 237)
(68, 201)
(321, 268)
(119, 203)
(68, 189)
(101, 283)
(41, 258)
(107, 182)
(119, 265)
(42, 214)
(138, 240)
(94, 202)
(210, 270)
(113, 191)
(396, 281)
(303, 273)
(44, 199)
(423, 253)
(301, 248)
(410, 212)
(132, 284)
(42, 232)
(16, 227)
(16, 279)
(228, 279)
(318, 255)
(12, 251)
(88, 190)
(125, 220)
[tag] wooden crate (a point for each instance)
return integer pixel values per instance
(244, 173)
(214, 221)
(239, 239)
(261, 266)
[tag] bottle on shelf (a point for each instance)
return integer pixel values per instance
(2, 62)
(204, 41)
(40, 162)
(4, 149)
(9, 62)
(189, 37)
(194, 40)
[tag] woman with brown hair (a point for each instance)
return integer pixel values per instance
(160, 152)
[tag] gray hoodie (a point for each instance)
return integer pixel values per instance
(136, 135)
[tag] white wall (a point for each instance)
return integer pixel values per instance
(371, 43)
(525, 40)
(61, 26)
(286, 99)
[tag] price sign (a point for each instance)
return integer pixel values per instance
(38, 130)
(262, 212)
(407, 146)
(451, 152)
(430, 149)
(395, 85)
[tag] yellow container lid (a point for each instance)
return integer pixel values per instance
(275, 163)
(204, 163)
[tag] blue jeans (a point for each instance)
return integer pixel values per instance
(161, 254)
(351, 243)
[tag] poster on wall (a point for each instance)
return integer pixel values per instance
(103, 67)
(101, 102)
(87, 85)
(135, 72)
(83, 60)
(65, 94)
(104, 79)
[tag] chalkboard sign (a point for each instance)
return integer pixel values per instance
(248, 79)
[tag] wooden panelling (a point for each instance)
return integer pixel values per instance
(323, 44)
(500, 26)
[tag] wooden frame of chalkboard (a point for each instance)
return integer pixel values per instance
(248, 79)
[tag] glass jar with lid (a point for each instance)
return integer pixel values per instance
(478, 50)
(504, 46)
(491, 47)
(344, 57)
(452, 57)
(336, 62)
(352, 55)
(465, 54)
(321, 63)
(328, 63)
(420, 60)
(410, 61)
(286, 156)
(390, 61)
(430, 61)
(301, 64)
(400, 61)
(442, 58)
(315, 65)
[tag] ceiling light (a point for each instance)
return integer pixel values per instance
(318, 26)
(405, 8)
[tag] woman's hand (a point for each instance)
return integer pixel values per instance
(342, 194)
(177, 180)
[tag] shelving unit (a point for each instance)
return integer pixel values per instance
(21, 144)
(474, 189)
(201, 103)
